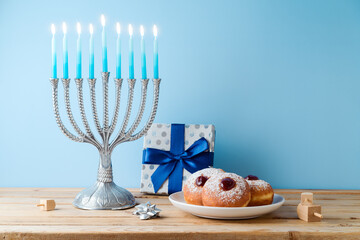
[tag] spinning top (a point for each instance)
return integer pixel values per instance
(307, 211)
(47, 205)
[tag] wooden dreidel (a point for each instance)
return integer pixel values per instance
(307, 198)
(47, 205)
(307, 211)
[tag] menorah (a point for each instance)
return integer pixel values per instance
(105, 194)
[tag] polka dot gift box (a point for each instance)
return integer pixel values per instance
(172, 152)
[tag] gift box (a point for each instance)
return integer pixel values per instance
(172, 152)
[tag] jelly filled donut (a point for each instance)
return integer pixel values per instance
(261, 191)
(194, 185)
(226, 190)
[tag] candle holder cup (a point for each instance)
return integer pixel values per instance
(105, 194)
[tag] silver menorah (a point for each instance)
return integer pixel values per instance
(105, 194)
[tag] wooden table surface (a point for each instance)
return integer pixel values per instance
(21, 219)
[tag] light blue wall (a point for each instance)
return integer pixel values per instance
(279, 79)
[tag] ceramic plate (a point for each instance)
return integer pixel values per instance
(177, 199)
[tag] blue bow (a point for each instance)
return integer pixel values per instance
(171, 163)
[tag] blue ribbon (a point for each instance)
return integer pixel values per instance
(171, 163)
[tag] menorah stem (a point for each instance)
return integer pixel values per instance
(105, 79)
(105, 173)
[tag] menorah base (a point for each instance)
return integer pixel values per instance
(104, 196)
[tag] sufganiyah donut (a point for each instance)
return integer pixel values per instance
(226, 190)
(194, 184)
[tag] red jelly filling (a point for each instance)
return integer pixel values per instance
(227, 184)
(252, 177)
(200, 181)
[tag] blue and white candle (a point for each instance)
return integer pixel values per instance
(143, 54)
(53, 53)
(131, 53)
(91, 51)
(104, 46)
(156, 55)
(65, 53)
(118, 52)
(78, 52)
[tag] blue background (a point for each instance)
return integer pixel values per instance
(279, 79)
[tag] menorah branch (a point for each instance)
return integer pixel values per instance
(54, 83)
(66, 84)
(79, 84)
(118, 85)
(144, 84)
(86, 138)
(92, 83)
(125, 122)
(151, 119)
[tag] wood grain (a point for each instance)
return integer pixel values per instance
(21, 219)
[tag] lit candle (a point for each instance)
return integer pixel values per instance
(78, 52)
(53, 52)
(91, 58)
(156, 55)
(65, 53)
(104, 47)
(131, 53)
(118, 52)
(143, 55)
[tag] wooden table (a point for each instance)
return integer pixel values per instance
(21, 219)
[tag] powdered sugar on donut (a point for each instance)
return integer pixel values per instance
(259, 185)
(207, 172)
(213, 188)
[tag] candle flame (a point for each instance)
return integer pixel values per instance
(118, 28)
(64, 27)
(53, 29)
(91, 29)
(155, 30)
(131, 31)
(103, 20)
(142, 31)
(78, 27)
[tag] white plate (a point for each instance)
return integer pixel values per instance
(177, 199)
